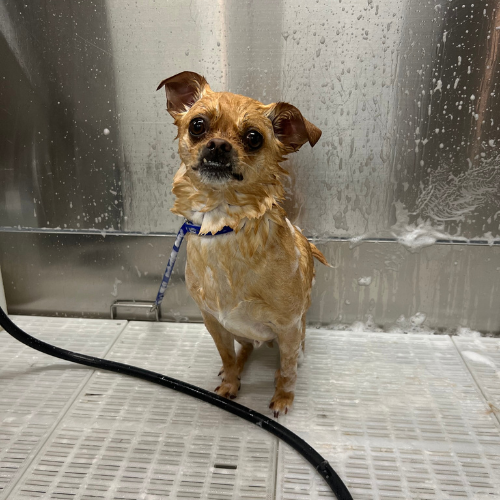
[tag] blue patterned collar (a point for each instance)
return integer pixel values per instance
(195, 229)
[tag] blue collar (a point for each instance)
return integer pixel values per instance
(195, 229)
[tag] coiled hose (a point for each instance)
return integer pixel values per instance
(268, 424)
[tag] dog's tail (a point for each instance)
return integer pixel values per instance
(319, 256)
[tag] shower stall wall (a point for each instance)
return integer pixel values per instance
(402, 192)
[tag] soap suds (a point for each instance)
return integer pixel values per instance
(114, 293)
(467, 332)
(479, 358)
(413, 324)
(365, 281)
(412, 236)
(449, 197)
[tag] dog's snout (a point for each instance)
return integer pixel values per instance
(219, 145)
(215, 161)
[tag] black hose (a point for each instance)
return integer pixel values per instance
(268, 424)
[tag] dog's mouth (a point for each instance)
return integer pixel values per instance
(216, 171)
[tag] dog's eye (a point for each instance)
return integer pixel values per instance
(254, 139)
(197, 126)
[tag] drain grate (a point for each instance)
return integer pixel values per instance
(399, 417)
(36, 389)
(128, 439)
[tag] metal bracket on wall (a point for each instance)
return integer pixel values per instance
(141, 304)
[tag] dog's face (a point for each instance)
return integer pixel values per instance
(230, 140)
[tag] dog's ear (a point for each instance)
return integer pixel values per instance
(290, 127)
(183, 90)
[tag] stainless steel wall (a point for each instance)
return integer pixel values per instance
(443, 286)
(58, 94)
(404, 91)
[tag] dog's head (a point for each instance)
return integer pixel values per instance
(230, 140)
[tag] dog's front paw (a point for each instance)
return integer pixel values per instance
(227, 389)
(222, 374)
(282, 402)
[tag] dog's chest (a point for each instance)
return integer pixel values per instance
(223, 283)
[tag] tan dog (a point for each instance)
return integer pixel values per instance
(253, 284)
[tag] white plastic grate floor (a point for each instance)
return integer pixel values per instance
(399, 417)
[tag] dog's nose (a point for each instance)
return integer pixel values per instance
(219, 145)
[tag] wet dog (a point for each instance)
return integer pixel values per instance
(253, 284)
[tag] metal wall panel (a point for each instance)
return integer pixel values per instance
(83, 274)
(57, 96)
(447, 285)
(404, 91)
(446, 165)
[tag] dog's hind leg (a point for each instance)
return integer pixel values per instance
(224, 342)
